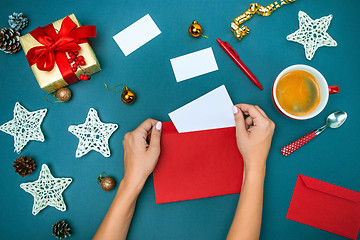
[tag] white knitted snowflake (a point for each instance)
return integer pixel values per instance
(47, 190)
(312, 34)
(93, 135)
(25, 126)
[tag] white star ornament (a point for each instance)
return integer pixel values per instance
(93, 135)
(47, 190)
(25, 126)
(312, 34)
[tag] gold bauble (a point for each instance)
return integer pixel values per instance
(195, 29)
(107, 183)
(63, 94)
(127, 96)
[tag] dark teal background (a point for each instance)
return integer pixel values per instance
(332, 157)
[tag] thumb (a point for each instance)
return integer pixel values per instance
(239, 122)
(155, 138)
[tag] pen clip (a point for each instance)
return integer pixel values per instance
(231, 49)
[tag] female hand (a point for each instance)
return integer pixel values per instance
(140, 158)
(253, 135)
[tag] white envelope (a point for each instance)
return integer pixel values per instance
(137, 34)
(212, 110)
(194, 64)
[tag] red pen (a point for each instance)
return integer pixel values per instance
(235, 57)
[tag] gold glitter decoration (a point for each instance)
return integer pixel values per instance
(241, 31)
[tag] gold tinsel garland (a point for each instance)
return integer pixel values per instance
(241, 31)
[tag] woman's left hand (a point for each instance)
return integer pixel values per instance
(140, 157)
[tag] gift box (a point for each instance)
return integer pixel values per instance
(49, 48)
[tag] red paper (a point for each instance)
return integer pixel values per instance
(325, 206)
(197, 164)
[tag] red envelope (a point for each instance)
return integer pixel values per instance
(197, 164)
(325, 206)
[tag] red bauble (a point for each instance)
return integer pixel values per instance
(70, 60)
(80, 58)
(82, 63)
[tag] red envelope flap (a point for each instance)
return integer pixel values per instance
(330, 189)
(197, 164)
(170, 128)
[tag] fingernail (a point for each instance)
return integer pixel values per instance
(158, 126)
(235, 109)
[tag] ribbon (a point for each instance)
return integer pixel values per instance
(241, 31)
(55, 46)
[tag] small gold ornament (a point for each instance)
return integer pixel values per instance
(127, 96)
(107, 183)
(195, 30)
(241, 31)
(63, 95)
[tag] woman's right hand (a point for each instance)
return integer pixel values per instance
(253, 135)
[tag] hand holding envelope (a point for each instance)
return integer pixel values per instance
(254, 134)
(203, 160)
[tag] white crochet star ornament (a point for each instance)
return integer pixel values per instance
(312, 34)
(47, 190)
(93, 135)
(25, 126)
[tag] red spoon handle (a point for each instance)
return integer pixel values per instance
(287, 150)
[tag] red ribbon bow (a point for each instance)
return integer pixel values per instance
(55, 46)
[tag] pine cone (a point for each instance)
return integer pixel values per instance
(61, 229)
(9, 40)
(24, 165)
(18, 21)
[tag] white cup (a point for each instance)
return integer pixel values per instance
(325, 90)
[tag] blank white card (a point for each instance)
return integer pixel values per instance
(137, 34)
(194, 64)
(210, 111)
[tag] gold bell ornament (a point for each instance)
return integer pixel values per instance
(195, 30)
(127, 96)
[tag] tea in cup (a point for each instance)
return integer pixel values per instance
(301, 92)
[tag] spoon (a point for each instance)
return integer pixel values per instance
(334, 120)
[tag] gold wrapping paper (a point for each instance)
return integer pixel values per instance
(241, 31)
(52, 80)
